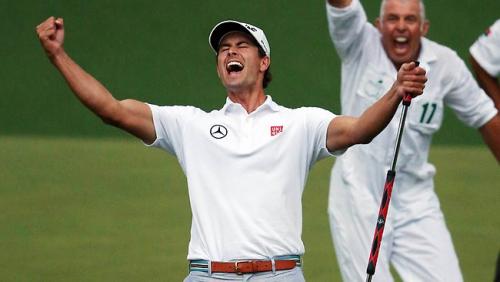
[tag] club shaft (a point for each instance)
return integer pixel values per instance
(386, 198)
(404, 112)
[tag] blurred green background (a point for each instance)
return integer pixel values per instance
(157, 51)
(82, 201)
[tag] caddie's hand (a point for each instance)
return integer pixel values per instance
(51, 35)
(411, 80)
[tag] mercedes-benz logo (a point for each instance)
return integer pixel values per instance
(218, 131)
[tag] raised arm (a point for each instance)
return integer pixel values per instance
(339, 3)
(130, 115)
(344, 131)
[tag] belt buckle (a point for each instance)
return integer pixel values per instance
(237, 268)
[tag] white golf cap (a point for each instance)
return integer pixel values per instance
(225, 27)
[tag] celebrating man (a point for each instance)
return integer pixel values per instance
(246, 164)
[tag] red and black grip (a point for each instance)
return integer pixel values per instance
(382, 215)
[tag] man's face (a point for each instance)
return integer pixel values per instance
(239, 65)
(402, 27)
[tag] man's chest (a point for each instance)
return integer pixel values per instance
(242, 135)
(426, 110)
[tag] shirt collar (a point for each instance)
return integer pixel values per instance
(268, 104)
(427, 54)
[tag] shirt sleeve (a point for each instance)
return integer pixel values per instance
(349, 29)
(486, 50)
(317, 121)
(169, 122)
(466, 98)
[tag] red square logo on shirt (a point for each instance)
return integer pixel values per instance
(276, 129)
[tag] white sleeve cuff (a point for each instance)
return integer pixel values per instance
(478, 54)
(339, 12)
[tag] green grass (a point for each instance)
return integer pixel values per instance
(114, 210)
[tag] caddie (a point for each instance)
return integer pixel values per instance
(416, 239)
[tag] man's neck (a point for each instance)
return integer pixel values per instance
(249, 100)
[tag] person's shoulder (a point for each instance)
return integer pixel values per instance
(311, 111)
(177, 107)
(184, 110)
(309, 108)
(493, 31)
(442, 54)
(299, 111)
(438, 48)
(273, 106)
(496, 25)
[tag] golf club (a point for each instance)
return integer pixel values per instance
(386, 198)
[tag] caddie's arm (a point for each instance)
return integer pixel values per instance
(345, 131)
(489, 83)
(130, 115)
(490, 130)
(339, 3)
(491, 135)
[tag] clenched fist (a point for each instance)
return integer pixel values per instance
(411, 80)
(51, 35)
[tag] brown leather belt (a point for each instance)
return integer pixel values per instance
(285, 262)
(252, 266)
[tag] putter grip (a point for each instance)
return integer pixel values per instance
(382, 215)
(407, 97)
(407, 100)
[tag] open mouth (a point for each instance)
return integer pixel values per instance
(401, 39)
(401, 43)
(234, 66)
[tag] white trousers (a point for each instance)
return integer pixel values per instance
(419, 250)
(292, 275)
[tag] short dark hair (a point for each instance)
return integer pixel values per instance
(268, 77)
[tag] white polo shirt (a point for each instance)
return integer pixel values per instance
(486, 50)
(367, 73)
(245, 173)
